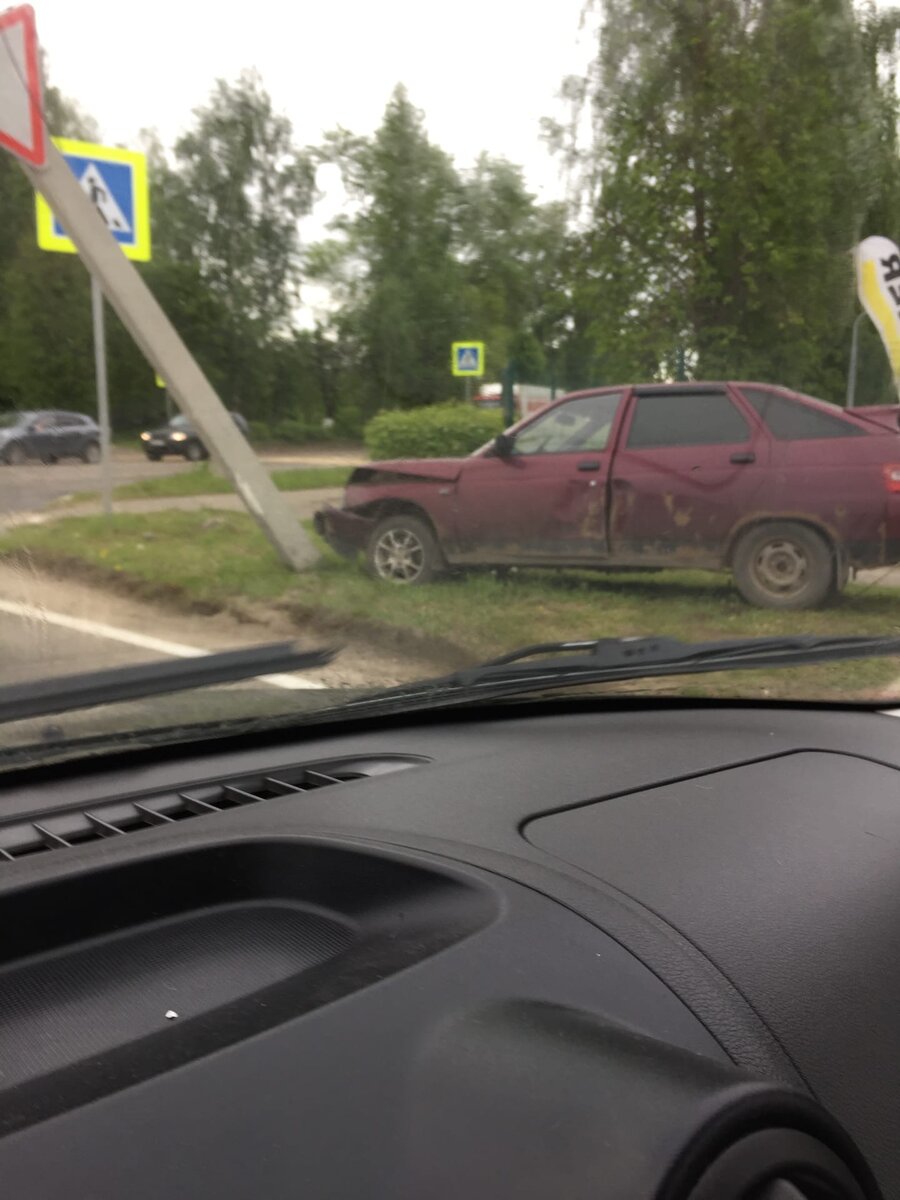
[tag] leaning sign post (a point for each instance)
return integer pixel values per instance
(22, 131)
(115, 181)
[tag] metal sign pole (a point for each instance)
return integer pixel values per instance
(102, 395)
(854, 354)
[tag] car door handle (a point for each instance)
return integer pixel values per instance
(589, 464)
(743, 456)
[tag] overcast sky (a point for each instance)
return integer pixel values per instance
(484, 71)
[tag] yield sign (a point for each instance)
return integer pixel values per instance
(21, 93)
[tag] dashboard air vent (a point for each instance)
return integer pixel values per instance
(111, 818)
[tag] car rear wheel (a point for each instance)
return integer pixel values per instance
(194, 452)
(14, 455)
(402, 549)
(91, 453)
(785, 565)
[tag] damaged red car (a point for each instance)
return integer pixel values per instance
(786, 492)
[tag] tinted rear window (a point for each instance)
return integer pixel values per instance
(790, 421)
(686, 419)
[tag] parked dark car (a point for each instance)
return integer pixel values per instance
(48, 435)
(178, 436)
(785, 491)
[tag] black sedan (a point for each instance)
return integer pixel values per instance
(48, 435)
(178, 436)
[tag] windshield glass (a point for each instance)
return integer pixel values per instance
(572, 357)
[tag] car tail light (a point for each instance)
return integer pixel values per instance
(892, 476)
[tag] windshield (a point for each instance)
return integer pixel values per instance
(575, 357)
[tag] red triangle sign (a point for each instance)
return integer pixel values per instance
(21, 92)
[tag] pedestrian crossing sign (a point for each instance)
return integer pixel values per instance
(467, 358)
(116, 181)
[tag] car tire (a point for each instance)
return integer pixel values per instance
(14, 455)
(154, 457)
(402, 549)
(784, 565)
(49, 460)
(194, 452)
(91, 453)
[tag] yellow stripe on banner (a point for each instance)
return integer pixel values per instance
(882, 314)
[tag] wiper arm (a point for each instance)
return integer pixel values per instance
(607, 660)
(41, 697)
(637, 657)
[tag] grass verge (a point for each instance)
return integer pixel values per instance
(209, 560)
(201, 481)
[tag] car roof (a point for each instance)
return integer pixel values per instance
(694, 385)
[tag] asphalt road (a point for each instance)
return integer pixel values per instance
(33, 486)
(34, 649)
(50, 629)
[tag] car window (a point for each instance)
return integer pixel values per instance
(686, 419)
(791, 421)
(582, 424)
(180, 422)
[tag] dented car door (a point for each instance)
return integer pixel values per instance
(691, 465)
(547, 500)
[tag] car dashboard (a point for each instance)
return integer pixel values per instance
(563, 951)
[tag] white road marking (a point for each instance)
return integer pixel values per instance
(141, 640)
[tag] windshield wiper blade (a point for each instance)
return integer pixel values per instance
(42, 697)
(607, 660)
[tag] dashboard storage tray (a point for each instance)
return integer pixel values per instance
(114, 975)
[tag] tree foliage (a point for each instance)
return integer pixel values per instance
(724, 158)
(431, 255)
(736, 151)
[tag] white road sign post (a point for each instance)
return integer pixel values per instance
(139, 311)
(102, 394)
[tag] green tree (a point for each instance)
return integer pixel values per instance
(45, 330)
(228, 208)
(430, 255)
(513, 250)
(736, 151)
(392, 266)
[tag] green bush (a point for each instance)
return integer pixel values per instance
(260, 431)
(289, 430)
(299, 432)
(438, 431)
(349, 422)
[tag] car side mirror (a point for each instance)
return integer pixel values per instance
(503, 445)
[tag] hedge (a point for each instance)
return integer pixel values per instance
(438, 431)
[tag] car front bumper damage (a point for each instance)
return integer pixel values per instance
(345, 531)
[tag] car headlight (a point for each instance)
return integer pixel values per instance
(179, 437)
(145, 437)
